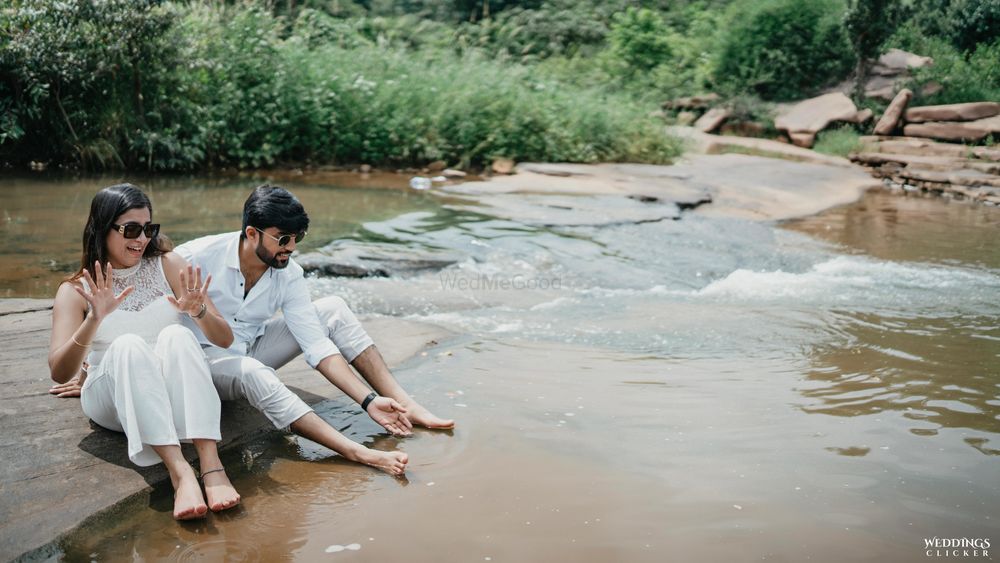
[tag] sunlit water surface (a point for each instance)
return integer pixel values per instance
(692, 390)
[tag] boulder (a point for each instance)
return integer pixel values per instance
(452, 173)
(887, 74)
(931, 88)
(803, 120)
(743, 129)
(953, 112)
(694, 102)
(803, 139)
(686, 117)
(437, 166)
(962, 131)
(711, 120)
(890, 119)
(503, 166)
(863, 116)
(898, 61)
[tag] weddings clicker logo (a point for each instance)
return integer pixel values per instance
(956, 547)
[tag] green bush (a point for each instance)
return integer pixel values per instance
(554, 28)
(965, 24)
(839, 142)
(640, 40)
(973, 77)
(74, 77)
(236, 86)
(963, 77)
(782, 49)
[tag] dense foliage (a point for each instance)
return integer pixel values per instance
(779, 49)
(172, 85)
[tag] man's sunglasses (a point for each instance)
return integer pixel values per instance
(132, 230)
(283, 240)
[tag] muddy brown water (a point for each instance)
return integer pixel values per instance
(698, 390)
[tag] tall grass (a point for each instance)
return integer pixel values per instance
(242, 88)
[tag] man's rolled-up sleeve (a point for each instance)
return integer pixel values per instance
(303, 321)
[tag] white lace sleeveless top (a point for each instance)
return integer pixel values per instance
(145, 311)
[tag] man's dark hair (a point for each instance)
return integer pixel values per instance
(274, 206)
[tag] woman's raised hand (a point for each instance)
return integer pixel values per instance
(193, 293)
(100, 293)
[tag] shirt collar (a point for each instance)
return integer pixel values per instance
(233, 252)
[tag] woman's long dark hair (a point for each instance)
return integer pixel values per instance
(107, 206)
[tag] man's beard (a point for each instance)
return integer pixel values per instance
(270, 259)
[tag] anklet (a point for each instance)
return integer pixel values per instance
(212, 471)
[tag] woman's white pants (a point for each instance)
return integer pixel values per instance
(157, 396)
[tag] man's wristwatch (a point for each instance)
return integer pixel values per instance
(371, 397)
(201, 313)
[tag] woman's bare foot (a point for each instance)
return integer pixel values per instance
(219, 491)
(188, 502)
(420, 416)
(393, 463)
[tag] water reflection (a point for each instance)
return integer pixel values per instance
(42, 217)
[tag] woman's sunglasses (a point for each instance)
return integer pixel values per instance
(132, 230)
(283, 240)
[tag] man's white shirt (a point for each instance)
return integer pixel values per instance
(278, 289)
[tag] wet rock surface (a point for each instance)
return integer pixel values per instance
(59, 468)
(355, 259)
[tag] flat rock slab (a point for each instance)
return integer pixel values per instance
(570, 211)
(723, 144)
(733, 185)
(582, 194)
(920, 146)
(59, 468)
(953, 112)
(927, 162)
(811, 116)
(350, 258)
(768, 189)
(963, 131)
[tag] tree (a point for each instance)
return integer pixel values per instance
(869, 23)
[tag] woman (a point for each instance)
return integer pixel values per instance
(143, 373)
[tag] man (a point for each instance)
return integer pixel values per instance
(253, 276)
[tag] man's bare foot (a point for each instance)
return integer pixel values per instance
(420, 416)
(393, 463)
(188, 502)
(219, 491)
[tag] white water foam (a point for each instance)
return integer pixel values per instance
(853, 279)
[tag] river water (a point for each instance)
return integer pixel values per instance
(707, 389)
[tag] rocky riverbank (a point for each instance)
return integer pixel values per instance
(59, 468)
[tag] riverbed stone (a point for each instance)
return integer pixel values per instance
(718, 144)
(503, 166)
(890, 119)
(805, 119)
(712, 119)
(961, 131)
(59, 468)
(952, 112)
(361, 259)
